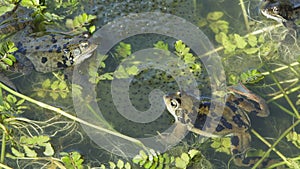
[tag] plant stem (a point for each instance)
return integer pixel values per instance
(63, 113)
(295, 89)
(275, 144)
(269, 28)
(4, 166)
(245, 15)
(284, 94)
(3, 145)
(281, 68)
(1, 97)
(268, 144)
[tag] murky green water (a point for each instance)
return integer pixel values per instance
(143, 83)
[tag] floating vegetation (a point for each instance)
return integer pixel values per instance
(35, 133)
(6, 54)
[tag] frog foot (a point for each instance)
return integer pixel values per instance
(239, 145)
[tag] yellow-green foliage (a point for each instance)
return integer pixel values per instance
(123, 50)
(153, 160)
(55, 88)
(6, 57)
(161, 45)
(80, 22)
(11, 106)
(184, 53)
(294, 137)
(30, 146)
(234, 43)
(221, 144)
(72, 160)
(249, 77)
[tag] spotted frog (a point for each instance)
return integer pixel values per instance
(45, 53)
(286, 12)
(194, 114)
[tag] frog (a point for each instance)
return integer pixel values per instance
(282, 11)
(46, 53)
(193, 114)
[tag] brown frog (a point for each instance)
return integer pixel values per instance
(46, 53)
(193, 114)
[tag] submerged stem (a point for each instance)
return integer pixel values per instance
(245, 15)
(3, 145)
(286, 132)
(63, 113)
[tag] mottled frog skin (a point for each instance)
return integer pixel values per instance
(45, 53)
(194, 112)
(286, 12)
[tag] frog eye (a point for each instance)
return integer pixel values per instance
(276, 10)
(175, 103)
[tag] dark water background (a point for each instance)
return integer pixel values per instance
(192, 11)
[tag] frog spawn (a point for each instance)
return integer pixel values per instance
(194, 113)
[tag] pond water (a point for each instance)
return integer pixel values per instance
(123, 91)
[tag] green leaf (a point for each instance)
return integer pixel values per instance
(214, 27)
(123, 49)
(250, 51)
(239, 41)
(261, 39)
(185, 157)
(107, 76)
(136, 159)
(202, 22)
(127, 165)
(11, 57)
(69, 24)
(193, 153)
(92, 29)
(7, 61)
(54, 96)
(120, 164)
(29, 152)
(133, 70)
(213, 16)
(143, 155)
(148, 164)
(46, 84)
(11, 99)
(220, 36)
(62, 85)
(40, 140)
(229, 47)
(223, 26)
(17, 153)
(252, 40)
(112, 165)
(121, 73)
(255, 153)
(161, 45)
(3, 66)
(180, 163)
(54, 85)
(49, 151)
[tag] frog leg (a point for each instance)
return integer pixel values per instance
(248, 101)
(239, 145)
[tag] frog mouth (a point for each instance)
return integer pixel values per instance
(86, 53)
